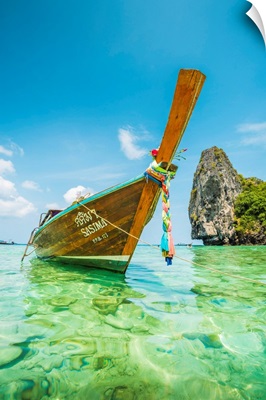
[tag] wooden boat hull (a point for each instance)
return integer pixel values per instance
(99, 231)
(103, 230)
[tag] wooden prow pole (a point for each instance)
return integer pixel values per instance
(189, 85)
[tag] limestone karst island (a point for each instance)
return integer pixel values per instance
(225, 208)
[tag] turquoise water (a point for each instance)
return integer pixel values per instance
(178, 332)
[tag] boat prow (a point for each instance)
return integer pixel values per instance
(102, 231)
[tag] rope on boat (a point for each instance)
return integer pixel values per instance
(175, 256)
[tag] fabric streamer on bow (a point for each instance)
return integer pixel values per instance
(162, 174)
(167, 242)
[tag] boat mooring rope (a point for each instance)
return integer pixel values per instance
(175, 256)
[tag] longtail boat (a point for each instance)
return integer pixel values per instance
(94, 231)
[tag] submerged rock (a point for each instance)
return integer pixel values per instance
(9, 355)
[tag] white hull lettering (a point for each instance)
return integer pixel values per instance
(83, 218)
(94, 227)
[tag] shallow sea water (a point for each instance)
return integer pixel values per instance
(177, 332)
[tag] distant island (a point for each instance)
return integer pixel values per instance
(7, 242)
(225, 208)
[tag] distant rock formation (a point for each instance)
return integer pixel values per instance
(216, 184)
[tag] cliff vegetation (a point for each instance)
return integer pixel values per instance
(250, 211)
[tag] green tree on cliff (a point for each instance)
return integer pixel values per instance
(250, 208)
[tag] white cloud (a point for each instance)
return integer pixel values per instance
(254, 133)
(13, 148)
(31, 185)
(11, 204)
(256, 127)
(6, 166)
(16, 148)
(5, 151)
(75, 192)
(7, 188)
(53, 206)
(15, 207)
(255, 140)
(127, 141)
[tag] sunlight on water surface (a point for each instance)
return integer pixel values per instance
(178, 332)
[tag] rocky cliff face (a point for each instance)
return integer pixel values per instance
(211, 208)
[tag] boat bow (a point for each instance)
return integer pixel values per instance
(96, 232)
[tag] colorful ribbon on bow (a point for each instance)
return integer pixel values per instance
(167, 242)
(162, 176)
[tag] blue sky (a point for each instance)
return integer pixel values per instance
(85, 91)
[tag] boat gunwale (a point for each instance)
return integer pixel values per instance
(88, 200)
